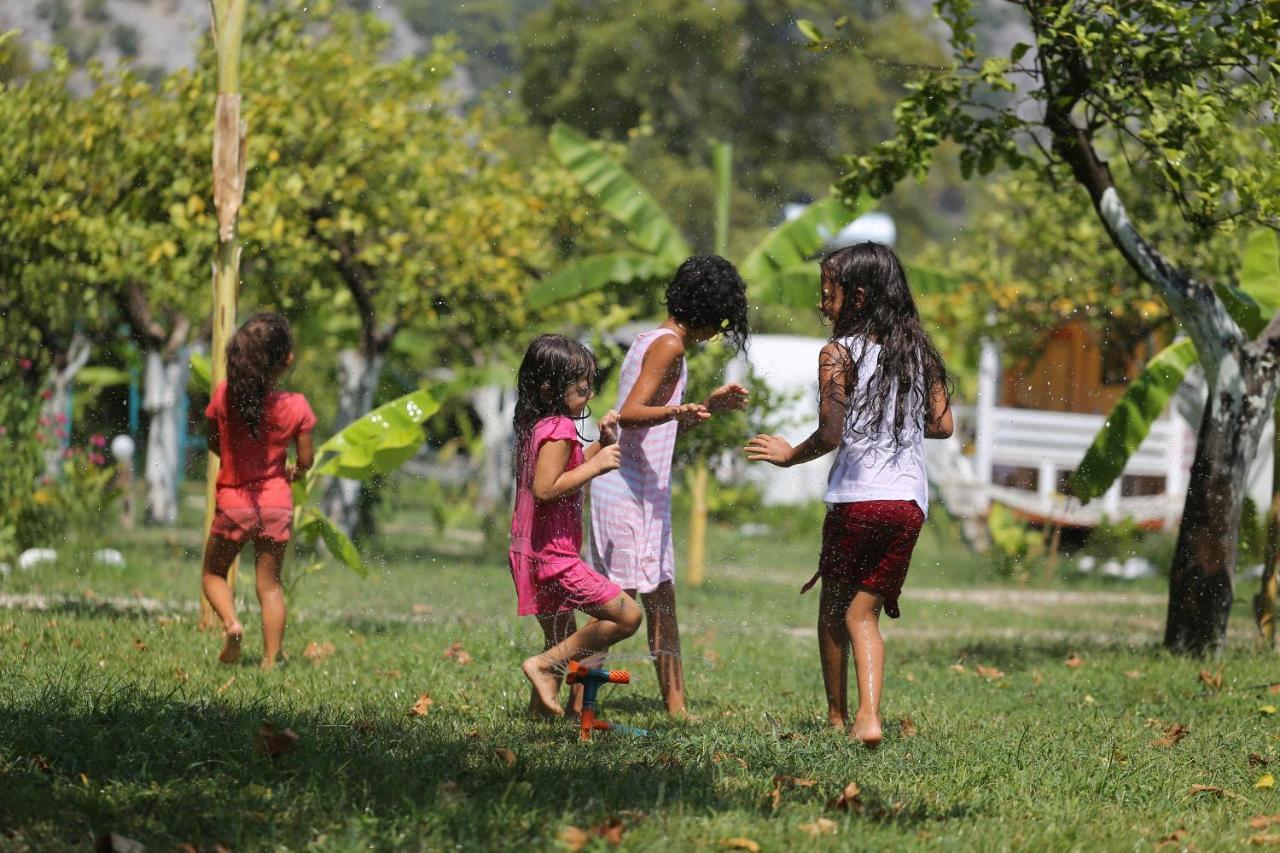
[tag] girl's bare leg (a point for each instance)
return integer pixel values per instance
(556, 629)
(863, 620)
(218, 556)
(270, 557)
(664, 645)
(613, 622)
(833, 648)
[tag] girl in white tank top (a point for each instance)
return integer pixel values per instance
(883, 390)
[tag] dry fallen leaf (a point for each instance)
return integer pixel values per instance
(1267, 709)
(741, 843)
(1036, 677)
(1174, 837)
(273, 742)
(1173, 733)
(223, 689)
(421, 707)
(456, 653)
(316, 652)
(724, 756)
(1211, 680)
(989, 672)
(955, 667)
(506, 755)
(139, 645)
(1262, 840)
(1212, 789)
(610, 830)
(1266, 780)
(1133, 673)
(1074, 661)
(849, 799)
(821, 826)
(1256, 760)
(1273, 689)
(574, 838)
(421, 609)
(908, 727)
(41, 763)
(1263, 821)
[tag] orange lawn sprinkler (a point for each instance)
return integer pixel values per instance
(591, 679)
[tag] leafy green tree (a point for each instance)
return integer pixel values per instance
(1181, 90)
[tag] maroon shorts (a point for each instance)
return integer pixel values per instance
(869, 545)
(247, 523)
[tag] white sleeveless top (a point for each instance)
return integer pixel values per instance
(872, 468)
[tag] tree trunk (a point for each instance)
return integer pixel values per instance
(1264, 603)
(1200, 579)
(164, 383)
(696, 572)
(495, 407)
(358, 377)
(56, 412)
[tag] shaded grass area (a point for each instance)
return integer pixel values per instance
(115, 719)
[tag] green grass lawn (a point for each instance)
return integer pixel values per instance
(115, 715)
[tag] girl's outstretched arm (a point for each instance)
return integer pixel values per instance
(659, 372)
(832, 368)
(941, 423)
(550, 479)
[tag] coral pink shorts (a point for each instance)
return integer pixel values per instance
(241, 524)
(547, 587)
(869, 545)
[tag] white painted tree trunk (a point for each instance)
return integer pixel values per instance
(56, 411)
(358, 377)
(495, 407)
(164, 383)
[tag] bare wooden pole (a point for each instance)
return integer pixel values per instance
(1264, 603)
(229, 134)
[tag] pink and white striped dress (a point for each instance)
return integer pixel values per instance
(631, 507)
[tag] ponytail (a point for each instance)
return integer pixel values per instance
(255, 355)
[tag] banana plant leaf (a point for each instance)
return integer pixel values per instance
(1130, 420)
(315, 523)
(620, 195)
(200, 379)
(1260, 269)
(596, 272)
(378, 442)
(794, 242)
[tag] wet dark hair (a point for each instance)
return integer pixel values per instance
(553, 362)
(708, 293)
(255, 354)
(910, 366)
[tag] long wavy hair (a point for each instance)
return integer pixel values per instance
(910, 366)
(551, 364)
(256, 354)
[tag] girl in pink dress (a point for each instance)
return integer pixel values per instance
(251, 425)
(551, 580)
(631, 507)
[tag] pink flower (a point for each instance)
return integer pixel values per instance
(67, 454)
(46, 394)
(24, 363)
(62, 419)
(97, 459)
(43, 421)
(60, 433)
(4, 430)
(98, 440)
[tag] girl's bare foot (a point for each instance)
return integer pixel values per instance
(837, 721)
(545, 683)
(231, 649)
(867, 731)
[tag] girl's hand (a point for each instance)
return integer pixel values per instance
(727, 397)
(609, 428)
(769, 448)
(291, 472)
(690, 414)
(607, 458)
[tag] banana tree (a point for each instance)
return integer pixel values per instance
(778, 271)
(375, 444)
(1251, 304)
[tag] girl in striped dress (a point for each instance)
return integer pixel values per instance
(631, 507)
